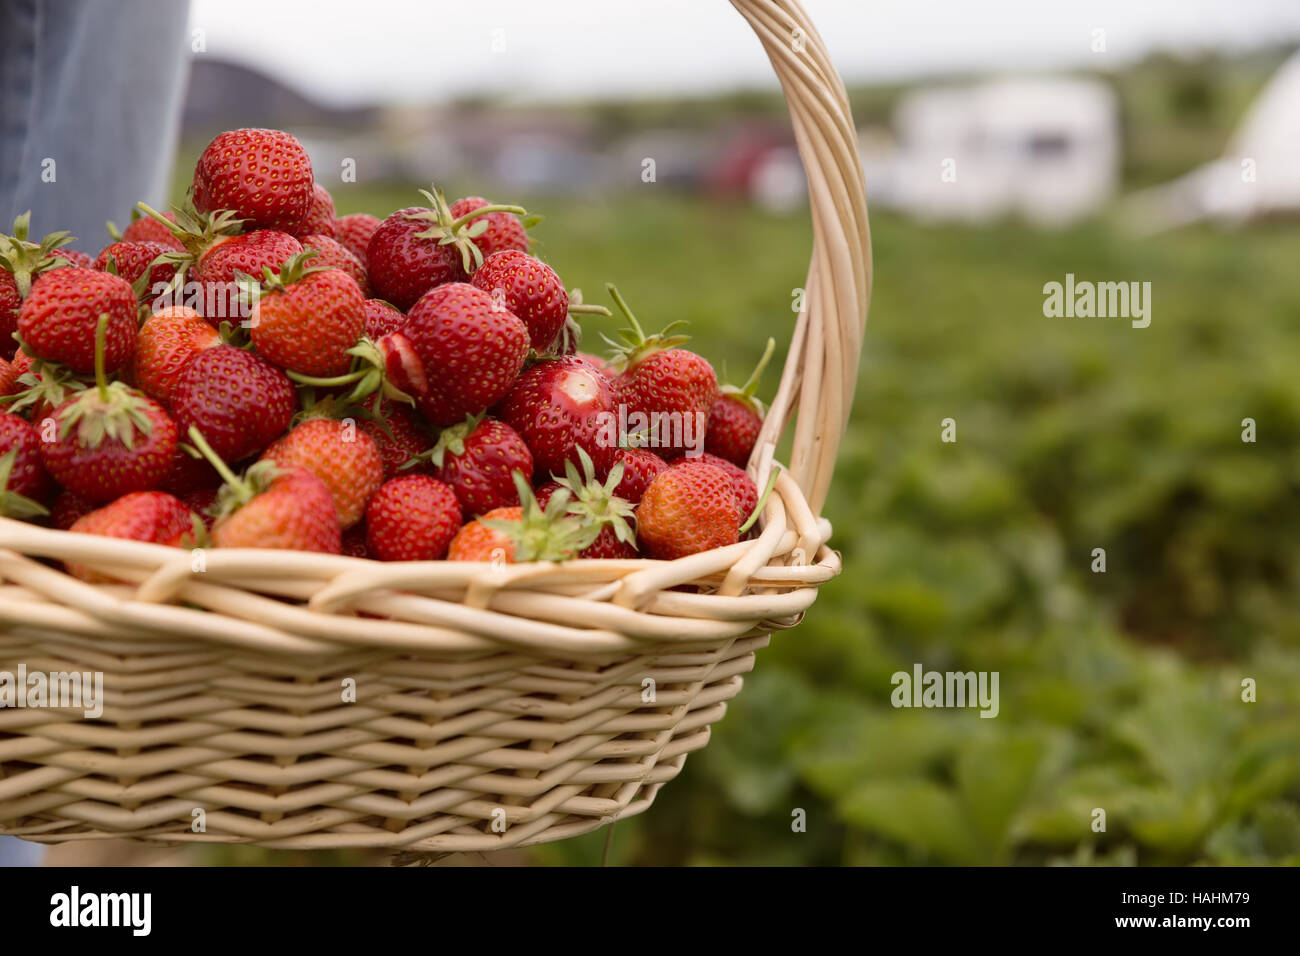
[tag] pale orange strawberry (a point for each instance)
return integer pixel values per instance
(341, 455)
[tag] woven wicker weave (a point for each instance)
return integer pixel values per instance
(494, 706)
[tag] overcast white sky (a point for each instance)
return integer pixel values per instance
(346, 51)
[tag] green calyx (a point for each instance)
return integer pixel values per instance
(196, 231)
(110, 411)
(550, 534)
(46, 383)
(745, 393)
(451, 441)
(634, 345)
(26, 259)
(294, 269)
(594, 502)
(367, 376)
(236, 490)
(460, 232)
(12, 504)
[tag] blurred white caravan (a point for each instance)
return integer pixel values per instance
(1046, 150)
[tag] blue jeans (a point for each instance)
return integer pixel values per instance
(90, 103)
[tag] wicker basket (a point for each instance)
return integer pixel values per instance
(494, 706)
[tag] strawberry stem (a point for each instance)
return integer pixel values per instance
(484, 210)
(762, 500)
(222, 469)
(622, 307)
(101, 377)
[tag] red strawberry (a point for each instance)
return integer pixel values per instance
(523, 533)
(240, 402)
(530, 289)
(111, 440)
(306, 321)
(21, 262)
(332, 255)
(24, 484)
(263, 175)
(131, 260)
(353, 233)
(165, 343)
(477, 459)
(736, 417)
(339, 454)
(152, 516)
(291, 510)
(412, 518)
(69, 506)
(745, 490)
(504, 231)
(418, 248)
(560, 405)
(148, 229)
(59, 317)
(640, 465)
(658, 379)
(382, 319)
(271, 507)
(470, 351)
(404, 438)
(688, 509)
(320, 214)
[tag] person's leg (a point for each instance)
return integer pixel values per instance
(91, 95)
(90, 101)
(16, 852)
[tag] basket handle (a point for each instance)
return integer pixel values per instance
(821, 369)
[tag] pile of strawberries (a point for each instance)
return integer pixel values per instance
(251, 371)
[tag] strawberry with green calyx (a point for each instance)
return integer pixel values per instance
(20, 262)
(736, 417)
(271, 507)
(111, 439)
(306, 318)
(397, 432)
(377, 368)
(597, 504)
(195, 233)
(143, 264)
(477, 459)
(40, 386)
(524, 533)
(418, 248)
(164, 345)
(656, 377)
